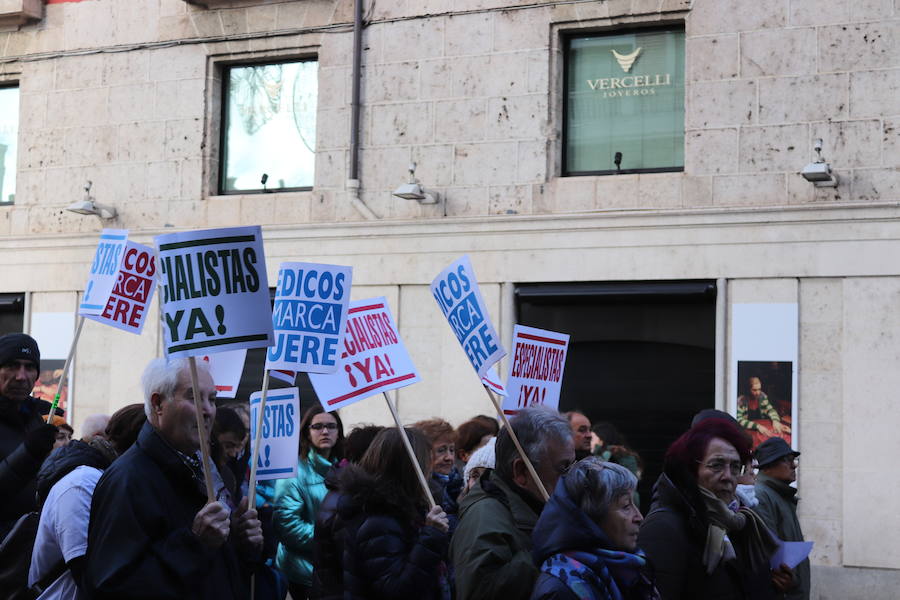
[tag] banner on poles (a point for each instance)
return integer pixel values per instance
(130, 298)
(493, 381)
(104, 271)
(280, 433)
(226, 369)
(457, 294)
(373, 358)
(215, 296)
(308, 317)
(536, 368)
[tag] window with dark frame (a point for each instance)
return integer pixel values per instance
(268, 133)
(623, 106)
(9, 135)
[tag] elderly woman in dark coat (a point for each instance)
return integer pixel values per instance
(702, 542)
(392, 547)
(585, 542)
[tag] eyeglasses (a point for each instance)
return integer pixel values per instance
(321, 426)
(719, 466)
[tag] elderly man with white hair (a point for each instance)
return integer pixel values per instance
(152, 532)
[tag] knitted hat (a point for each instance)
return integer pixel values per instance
(19, 346)
(483, 457)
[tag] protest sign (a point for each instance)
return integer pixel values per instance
(536, 369)
(456, 291)
(104, 270)
(215, 296)
(226, 369)
(126, 308)
(280, 433)
(308, 317)
(373, 358)
(289, 377)
(493, 381)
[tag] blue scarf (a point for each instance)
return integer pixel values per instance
(600, 574)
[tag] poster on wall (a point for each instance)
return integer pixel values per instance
(764, 341)
(53, 333)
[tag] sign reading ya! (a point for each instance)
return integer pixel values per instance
(309, 314)
(132, 292)
(536, 368)
(457, 294)
(373, 358)
(215, 293)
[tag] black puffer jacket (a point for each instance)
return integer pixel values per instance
(328, 544)
(387, 552)
(18, 467)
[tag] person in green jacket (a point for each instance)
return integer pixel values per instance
(297, 499)
(778, 503)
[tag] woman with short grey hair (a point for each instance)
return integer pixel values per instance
(585, 542)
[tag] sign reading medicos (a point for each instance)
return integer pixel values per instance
(126, 308)
(280, 433)
(310, 310)
(373, 358)
(104, 271)
(536, 368)
(457, 294)
(215, 295)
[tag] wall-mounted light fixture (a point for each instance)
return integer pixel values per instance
(819, 172)
(413, 191)
(89, 207)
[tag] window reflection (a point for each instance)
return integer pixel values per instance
(9, 133)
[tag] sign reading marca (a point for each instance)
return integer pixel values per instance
(215, 295)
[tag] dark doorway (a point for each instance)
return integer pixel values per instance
(641, 356)
(12, 313)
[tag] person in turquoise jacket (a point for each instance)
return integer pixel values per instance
(297, 499)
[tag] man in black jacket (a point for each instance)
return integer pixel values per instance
(25, 439)
(152, 533)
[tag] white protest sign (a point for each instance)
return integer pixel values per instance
(456, 291)
(373, 358)
(536, 368)
(493, 381)
(289, 377)
(104, 271)
(226, 369)
(130, 298)
(308, 316)
(280, 433)
(215, 296)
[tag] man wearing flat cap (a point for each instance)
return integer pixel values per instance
(25, 439)
(778, 502)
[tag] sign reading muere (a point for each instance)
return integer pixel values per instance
(457, 294)
(126, 307)
(373, 358)
(535, 369)
(215, 295)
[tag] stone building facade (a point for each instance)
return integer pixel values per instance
(129, 95)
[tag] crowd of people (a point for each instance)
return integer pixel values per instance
(125, 511)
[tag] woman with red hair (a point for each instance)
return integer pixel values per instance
(701, 541)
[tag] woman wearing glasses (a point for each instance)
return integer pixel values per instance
(702, 542)
(297, 500)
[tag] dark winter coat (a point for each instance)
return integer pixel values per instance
(387, 552)
(18, 467)
(673, 535)
(778, 509)
(328, 547)
(140, 543)
(491, 547)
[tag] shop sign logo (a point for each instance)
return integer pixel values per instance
(626, 61)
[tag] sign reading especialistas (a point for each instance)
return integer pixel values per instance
(373, 358)
(280, 433)
(215, 295)
(104, 271)
(310, 310)
(126, 308)
(536, 368)
(457, 294)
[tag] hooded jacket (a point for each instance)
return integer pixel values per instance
(564, 527)
(387, 552)
(296, 504)
(673, 535)
(491, 546)
(140, 543)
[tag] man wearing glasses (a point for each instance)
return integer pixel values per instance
(778, 502)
